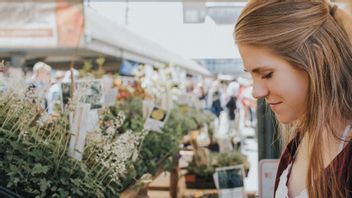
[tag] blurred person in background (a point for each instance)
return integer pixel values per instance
(54, 94)
(202, 95)
(299, 53)
(41, 76)
(39, 83)
(216, 104)
(231, 105)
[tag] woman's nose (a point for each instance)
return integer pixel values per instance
(259, 91)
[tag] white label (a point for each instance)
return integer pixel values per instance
(110, 97)
(156, 119)
(267, 174)
(79, 130)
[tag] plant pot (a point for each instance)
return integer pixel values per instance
(214, 147)
(7, 193)
(199, 182)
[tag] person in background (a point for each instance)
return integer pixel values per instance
(54, 94)
(39, 83)
(201, 94)
(41, 76)
(216, 104)
(299, 53)
(231, 105)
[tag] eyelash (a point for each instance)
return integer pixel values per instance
(268, 76)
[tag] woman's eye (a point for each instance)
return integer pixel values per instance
(267, 76)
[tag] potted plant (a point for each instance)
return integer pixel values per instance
(200, 175)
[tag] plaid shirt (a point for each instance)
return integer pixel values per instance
(341, 164)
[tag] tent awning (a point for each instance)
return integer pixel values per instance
(121, 42)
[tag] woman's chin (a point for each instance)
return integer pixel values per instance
(284, 119)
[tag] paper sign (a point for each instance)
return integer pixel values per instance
(183, 102)
(92, 121)
(156, 119)
(86, 91)
(90, 92)
(78, 129)
(230, 181)
(110, 97)
(267, 174)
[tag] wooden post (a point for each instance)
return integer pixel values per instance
(174, 179)
(72, 85)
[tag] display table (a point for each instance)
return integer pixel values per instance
(142, 191)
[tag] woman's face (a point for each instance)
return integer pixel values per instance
(283, 86)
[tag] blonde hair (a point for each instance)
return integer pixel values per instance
(314, 36)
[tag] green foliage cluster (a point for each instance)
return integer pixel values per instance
(33, 155)
(160, 149)
(33, 151)
(217, 160)
(132, 107)
(93, 67)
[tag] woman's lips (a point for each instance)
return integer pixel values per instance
(274, 106)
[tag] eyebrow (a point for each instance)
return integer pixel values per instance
(258, 69)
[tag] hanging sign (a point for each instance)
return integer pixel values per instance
(156, 119)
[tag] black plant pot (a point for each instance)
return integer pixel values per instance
(6, 193)
(198, 182)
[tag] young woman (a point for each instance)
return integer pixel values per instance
(299, 53)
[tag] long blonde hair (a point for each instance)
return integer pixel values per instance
(317, 38)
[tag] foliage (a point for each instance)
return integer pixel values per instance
(230, 159)
(217, 160)
(33, 154)
(159, 149)
(132, 108)
(33, 149)
(91, 69)
(34, 160)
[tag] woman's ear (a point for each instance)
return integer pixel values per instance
(345, 21)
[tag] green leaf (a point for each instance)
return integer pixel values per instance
(63, 192)
(44, 185)
(14, 170)
(76, 182)
(111, 189)
(39, 169)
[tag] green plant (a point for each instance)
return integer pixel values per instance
(231, 159)
(34, 160)
(160, 149)
(33, 149)
(33, 154)
(132, 107)
(217, 160)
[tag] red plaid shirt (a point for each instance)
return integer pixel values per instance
(342, 165)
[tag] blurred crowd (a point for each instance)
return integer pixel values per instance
(232, 103)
